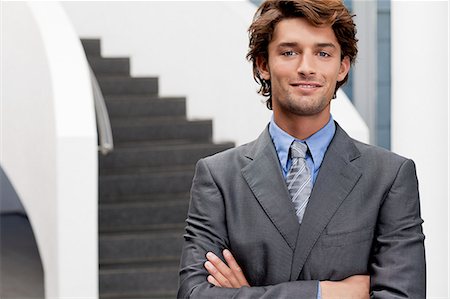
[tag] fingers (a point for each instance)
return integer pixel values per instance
(217, 278)
(213, 281)
(237, 271)
(220, 271)
(223, 275)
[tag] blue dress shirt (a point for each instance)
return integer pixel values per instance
(317, 144)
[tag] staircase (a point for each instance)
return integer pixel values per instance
(144, 183)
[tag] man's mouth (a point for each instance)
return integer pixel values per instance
(306, 85)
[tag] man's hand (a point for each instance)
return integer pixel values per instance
(353, 287)
(223, 275)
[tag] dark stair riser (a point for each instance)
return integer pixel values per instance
(113, 185)
(129, 107)
(153, 295)
(130, 248)
(91, 47)
(127, 85)
(136, 216)
(138, 281)
(143, 198)
(109, 66)
(190, 130)
(157, 156)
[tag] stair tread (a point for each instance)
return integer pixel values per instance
(139, 295)
(132, 268)
(162, 231)
(182, 145)
(113, 58)
(141, 231)
(142, 97)
(138, 204)
(91, 46)
(123, 263)
(138, 230)
(159, 142)
(156, 120)
(156, 170)
(144, 197)
(114, 77)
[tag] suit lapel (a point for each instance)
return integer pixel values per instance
(264, 177)
(337, 177)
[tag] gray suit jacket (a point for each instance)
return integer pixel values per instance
(363, 217)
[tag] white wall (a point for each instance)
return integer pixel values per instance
(197, 49)
(48, 146)
(420, 120)
(348, 117)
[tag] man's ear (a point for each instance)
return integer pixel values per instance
(344, 69)
(263, 68)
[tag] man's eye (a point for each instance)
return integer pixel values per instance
(324, 54)
(289, 53)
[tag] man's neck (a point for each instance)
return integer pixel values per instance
(301, 126)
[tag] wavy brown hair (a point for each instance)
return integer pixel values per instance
(317, 12)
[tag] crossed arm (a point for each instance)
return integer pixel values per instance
(230, 275)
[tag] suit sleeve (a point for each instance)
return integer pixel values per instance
(206, 230)
(398, 257)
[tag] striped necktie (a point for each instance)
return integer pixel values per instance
(298, 179)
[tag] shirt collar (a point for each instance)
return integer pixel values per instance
(317, 143)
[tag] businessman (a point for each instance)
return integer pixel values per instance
(304, 211)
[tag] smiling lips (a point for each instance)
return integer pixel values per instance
(306, 86)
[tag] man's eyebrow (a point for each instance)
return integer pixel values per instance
(325, 45)
(294, 44)
(287, 44)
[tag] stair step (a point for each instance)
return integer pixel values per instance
(153, 295)
(139, 198)
(160, 261)
(91, 47)
(140, 97)
(110, 66)
(125, 130)
(143, 181)
(145, 106)
(140, 248)
(160, 155)
(132, 216)
(151, 228)
(150, 143)
(127, 85)
(138, 282)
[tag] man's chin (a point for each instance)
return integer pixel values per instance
(313, 109)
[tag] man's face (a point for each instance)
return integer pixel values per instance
(304, 65)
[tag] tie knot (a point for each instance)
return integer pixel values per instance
(298, 149)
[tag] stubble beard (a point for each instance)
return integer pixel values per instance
(304, 106)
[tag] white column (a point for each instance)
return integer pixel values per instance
(48, 142)
(420, 120)
(365, 69)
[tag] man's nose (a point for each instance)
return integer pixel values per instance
(306, 65)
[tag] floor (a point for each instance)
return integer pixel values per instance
(21, 274)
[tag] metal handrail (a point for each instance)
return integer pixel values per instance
(105, 138)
